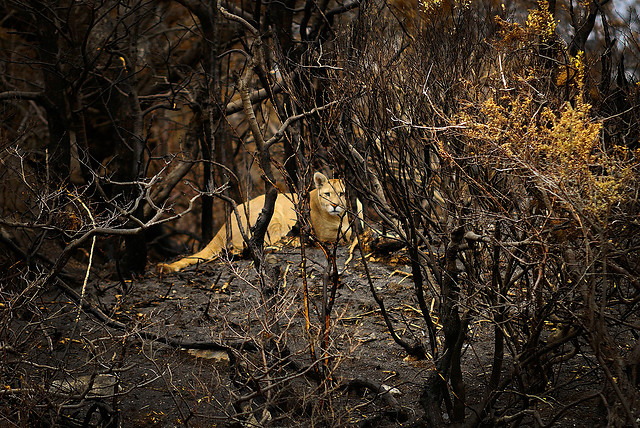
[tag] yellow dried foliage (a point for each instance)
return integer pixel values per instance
(539, 25)
(560, 147)
(572, 73)
(442, 6)
(540, 21)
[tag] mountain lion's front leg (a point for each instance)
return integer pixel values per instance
(206, 254)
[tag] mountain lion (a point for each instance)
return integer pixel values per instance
(327, 205)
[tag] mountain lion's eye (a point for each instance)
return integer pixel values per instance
(327, 194)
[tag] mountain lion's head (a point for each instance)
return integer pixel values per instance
(330, 194)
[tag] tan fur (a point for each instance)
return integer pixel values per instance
(327, 204)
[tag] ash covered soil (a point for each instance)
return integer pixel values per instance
(248, 357)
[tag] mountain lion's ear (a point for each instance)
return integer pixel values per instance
(319, 179)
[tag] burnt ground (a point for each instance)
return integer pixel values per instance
(153, 383)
